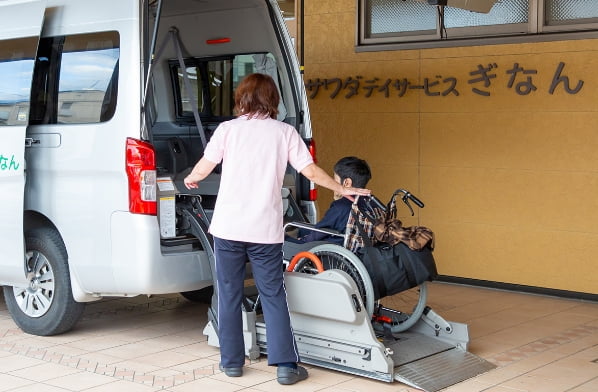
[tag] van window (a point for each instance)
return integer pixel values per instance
(16, 63)
(213, 83)
(76, 79)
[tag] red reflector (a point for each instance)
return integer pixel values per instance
(217, 41)
(382, 319)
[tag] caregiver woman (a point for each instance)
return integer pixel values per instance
(247, 223)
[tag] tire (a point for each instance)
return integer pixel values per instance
(203, 296)
(407, 308)
(337, 257)
(46, 306)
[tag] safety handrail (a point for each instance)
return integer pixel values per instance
(309, 226)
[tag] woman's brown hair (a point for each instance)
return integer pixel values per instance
(257, 95)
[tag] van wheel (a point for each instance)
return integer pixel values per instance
(46, 306)
(203, 296)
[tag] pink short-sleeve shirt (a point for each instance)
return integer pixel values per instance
(254, 154)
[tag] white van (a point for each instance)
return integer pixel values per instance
(95, 106)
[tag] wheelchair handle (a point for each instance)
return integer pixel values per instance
(414, 199)
(377, 202)
(408, 196)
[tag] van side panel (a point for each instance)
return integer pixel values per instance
(18, 43)
(78, 177)
(143, 269)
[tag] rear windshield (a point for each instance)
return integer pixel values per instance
(213, 82)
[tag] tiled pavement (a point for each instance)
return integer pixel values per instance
(539, 344)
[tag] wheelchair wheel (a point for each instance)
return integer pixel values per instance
(337, 257)
(404, 308)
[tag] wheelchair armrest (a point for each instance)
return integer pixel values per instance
(311, 227)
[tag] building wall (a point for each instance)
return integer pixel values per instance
(509, 176)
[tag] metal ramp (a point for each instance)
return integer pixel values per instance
(431, 365)
(442, 370)
(333, 331)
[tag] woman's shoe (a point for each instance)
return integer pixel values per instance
(232, 371)
(289, 375)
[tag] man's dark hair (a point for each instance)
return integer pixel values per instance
(354, 168)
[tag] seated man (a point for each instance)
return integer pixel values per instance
(348, 171)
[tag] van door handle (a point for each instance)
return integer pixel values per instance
(43, 140)
(29, 141)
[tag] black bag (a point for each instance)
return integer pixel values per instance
(397, 268)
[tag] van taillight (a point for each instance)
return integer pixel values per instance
(141, 172)
(313, 191)
(311, 146)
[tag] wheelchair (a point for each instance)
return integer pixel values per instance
(398, 312)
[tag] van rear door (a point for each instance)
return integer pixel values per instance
(20, 27)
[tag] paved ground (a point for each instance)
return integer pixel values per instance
(540, 344)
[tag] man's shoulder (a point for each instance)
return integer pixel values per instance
(342, 204)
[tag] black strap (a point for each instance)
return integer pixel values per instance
(404, 256)
(377, 279)
(174, 33)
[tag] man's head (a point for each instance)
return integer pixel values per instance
(352, 171)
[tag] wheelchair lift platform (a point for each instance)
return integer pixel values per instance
(333, 330)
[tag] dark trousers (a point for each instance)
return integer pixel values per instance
(267, 268)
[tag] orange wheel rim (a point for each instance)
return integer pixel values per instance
(306, 255)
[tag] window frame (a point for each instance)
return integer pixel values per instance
(533, 31)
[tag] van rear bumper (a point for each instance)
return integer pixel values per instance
(139, 266)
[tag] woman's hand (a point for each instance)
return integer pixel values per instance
(316, 174)
(350, 191)
(190, 183)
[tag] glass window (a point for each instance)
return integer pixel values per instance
(16, 69)
(76, 79)
(559, 12)
(88, 78)
(503, 12)
(189, 96)
(386, 16)
(213, 82)
(221, 79)
(401, 21)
